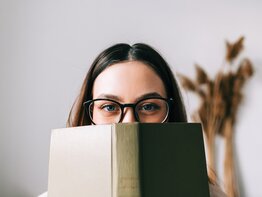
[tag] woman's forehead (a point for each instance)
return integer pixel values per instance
(128, 80)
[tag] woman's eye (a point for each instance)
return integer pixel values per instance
(109, 108)
(149, 107)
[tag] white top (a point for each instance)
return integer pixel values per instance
(215, 191)
(43, 195)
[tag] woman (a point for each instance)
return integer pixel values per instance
(127, 84)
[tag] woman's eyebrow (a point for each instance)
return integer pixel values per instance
(149, 95)
(110, 96)
(119, 99)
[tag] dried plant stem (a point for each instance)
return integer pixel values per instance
(230, 183)
(211, 155)
(212, 124)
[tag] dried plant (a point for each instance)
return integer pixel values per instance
(220, 99)
(233, 49)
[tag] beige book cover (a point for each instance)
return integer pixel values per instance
(87, 161)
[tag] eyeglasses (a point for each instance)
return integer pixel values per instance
(147, 110)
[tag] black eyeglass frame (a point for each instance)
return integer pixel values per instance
(169, 102)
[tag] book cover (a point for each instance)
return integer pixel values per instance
(128, 160)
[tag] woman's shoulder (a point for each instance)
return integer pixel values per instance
(215, 191)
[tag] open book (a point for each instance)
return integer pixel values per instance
(128, 160)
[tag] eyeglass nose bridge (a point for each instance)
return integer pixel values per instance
(133, 106)
(128, 105)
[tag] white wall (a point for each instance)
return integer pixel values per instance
(46, 48)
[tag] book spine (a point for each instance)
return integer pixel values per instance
(125, 161)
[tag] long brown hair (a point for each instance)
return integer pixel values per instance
(120, 53)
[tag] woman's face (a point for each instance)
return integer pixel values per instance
(128, 82)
